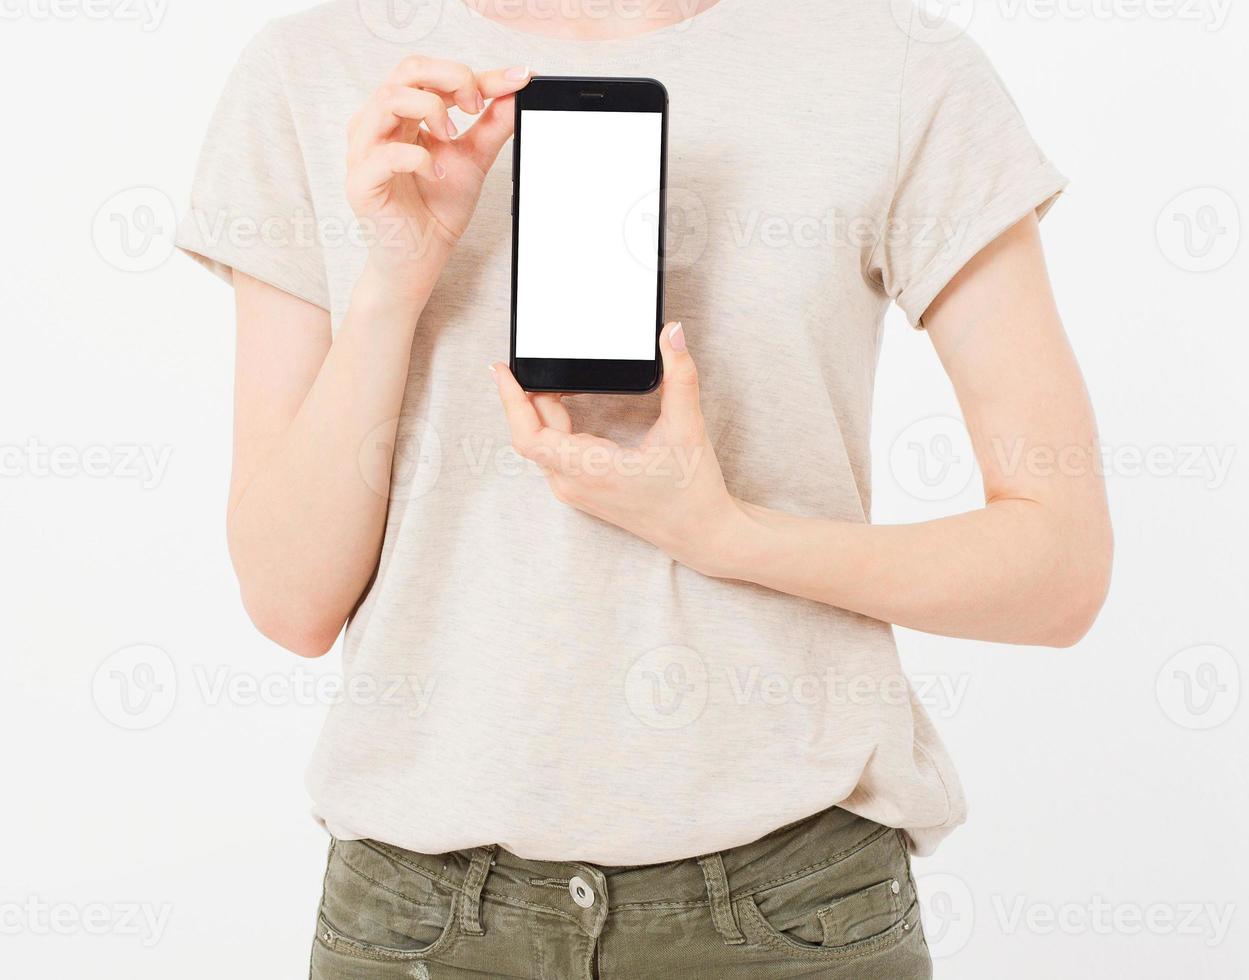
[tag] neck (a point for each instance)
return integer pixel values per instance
(589, 20)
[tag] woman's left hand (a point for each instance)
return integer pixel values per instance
(668, 491)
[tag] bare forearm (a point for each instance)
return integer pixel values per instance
(1013, 572)
(306, 528)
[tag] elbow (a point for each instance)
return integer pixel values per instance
(1081, 593)
(283, 608)
(294, 629)
(1071, 629)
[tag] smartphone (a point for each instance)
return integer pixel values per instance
(589, 190)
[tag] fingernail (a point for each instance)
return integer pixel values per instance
(518, 74)
(440, 170)
(451, 130)
(676, 337)
(494, 371)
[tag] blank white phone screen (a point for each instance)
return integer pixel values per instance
(588, 241)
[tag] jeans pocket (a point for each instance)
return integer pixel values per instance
(859, 904)
(862, 914)
(375, 906)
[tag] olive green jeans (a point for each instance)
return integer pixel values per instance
(831, 896)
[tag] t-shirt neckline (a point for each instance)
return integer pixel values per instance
(548, 55)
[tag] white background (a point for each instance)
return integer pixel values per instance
(1091, 779)
(582, 177)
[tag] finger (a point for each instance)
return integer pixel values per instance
(503, 81)
(445, 77)
(678, 400)
(380, 166)
(392, 105)
(553, 412)
(530, 435)
(491, 132)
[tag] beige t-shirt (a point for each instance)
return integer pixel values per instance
(520, 673)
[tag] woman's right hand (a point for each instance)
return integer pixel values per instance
(415, 187)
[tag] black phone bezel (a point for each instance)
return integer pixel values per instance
(590, 94)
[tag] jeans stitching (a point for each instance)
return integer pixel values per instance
(813, 868)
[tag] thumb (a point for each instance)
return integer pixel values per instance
(492, 131)
(679, 401)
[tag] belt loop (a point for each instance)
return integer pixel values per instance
(474, 882)
(721, 905)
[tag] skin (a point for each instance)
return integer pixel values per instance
(305, 524)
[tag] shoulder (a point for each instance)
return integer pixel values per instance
(904, 38)
(326, 25)
(353, 43)
(327, 34)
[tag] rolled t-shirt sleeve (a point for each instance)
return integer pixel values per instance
(968, 170)
(251, 206)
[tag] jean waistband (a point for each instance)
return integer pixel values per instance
(552, 886)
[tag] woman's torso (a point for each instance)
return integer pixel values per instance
(528, 676)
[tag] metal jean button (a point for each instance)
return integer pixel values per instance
(581, 892)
